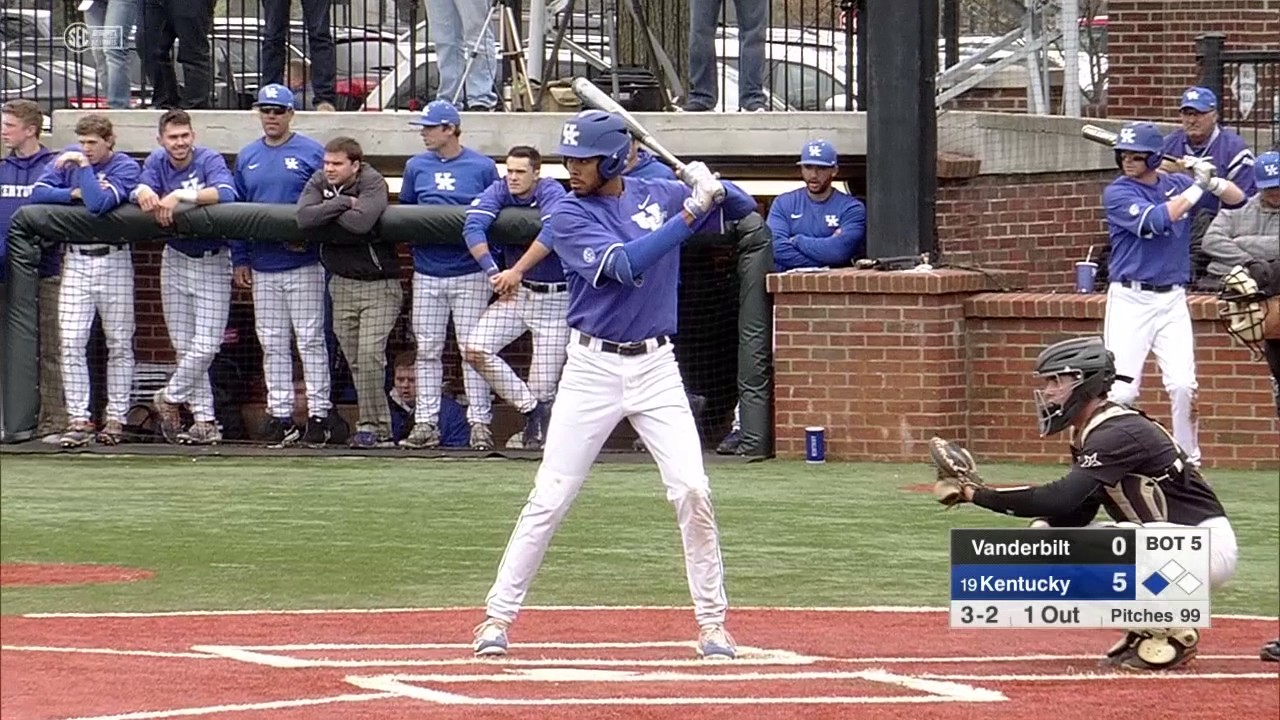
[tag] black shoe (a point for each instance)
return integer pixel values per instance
(695, 107)
(281, 432)
(1271, 651)
(318, 432)
(481, 108)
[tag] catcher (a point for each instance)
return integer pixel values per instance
(1122, 462)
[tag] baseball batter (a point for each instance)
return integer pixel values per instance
(1124, 464)
(619, 241)
(447, 280)
(538, 304)
(288, 281)
(96, 278)
(195, 275)
(1149, 222)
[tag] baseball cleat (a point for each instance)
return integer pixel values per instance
(715, 643)
(481, 437)
(112, 433)
(491, 637)
(1271, 651)
(423, 435)
(201, 433)
(170, 416)
(78, 435)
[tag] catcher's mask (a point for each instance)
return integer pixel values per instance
(1092, 368)
(1244, 309)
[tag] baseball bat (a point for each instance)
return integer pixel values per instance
(1103, 136)
(592, 96)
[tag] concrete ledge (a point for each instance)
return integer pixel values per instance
(879, 282)
(1067, 306)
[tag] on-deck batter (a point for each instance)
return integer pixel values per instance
(619, 240)
(1148, 218)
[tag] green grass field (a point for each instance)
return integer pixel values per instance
(233, 533)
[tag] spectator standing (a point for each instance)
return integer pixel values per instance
(320, 50)
(455, 27)
(190, 23)
(704, 91)
(113, 21)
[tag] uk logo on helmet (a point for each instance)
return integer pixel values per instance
(1127, 135)
(569, 135)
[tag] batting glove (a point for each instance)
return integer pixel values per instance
(707, 193)
(695, 171)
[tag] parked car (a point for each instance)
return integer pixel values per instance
(55, 85)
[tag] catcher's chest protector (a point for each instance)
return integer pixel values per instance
(1137, 497)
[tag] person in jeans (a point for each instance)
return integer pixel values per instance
(364, 277)
(455, 25)
(315, 15)
(190, 23)
(704, 90)
(111, 46)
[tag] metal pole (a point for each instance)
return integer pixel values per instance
(1071, 49)
(537, 37)
(951, 32)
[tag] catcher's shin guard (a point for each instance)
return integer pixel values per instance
(1154, 650)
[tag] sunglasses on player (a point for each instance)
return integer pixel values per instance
(272, 110)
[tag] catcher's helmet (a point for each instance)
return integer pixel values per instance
(596, 133)
(1093, 366)
(1143, 137)
(1244, 312)
(1266, 170)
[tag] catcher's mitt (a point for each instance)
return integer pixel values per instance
(956, 470)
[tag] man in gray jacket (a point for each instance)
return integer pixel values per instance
(1251, 232)
(365, 282)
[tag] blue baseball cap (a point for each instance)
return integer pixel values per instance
(438, 112)
(1200, 99)
(275, 95)
(1266, 170)
(818, 152)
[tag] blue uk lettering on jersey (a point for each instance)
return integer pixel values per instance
(485, 209)
(805, 230)
(18, 175)
(275, 174)
(1228, 152)
(430, 179)
(1146, 246)
(587, 229)
(206, 169)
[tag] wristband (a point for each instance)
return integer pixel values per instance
(488, 265)
(138, 191)
(186, 195)
(1217, 186)
(1192, 194)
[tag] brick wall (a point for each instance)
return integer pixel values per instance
(1151, 47)
(886, 360)
(1039, 224)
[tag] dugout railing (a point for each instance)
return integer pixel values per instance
(1247, 83)
(724, 344)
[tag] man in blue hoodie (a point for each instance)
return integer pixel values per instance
(287, 280)
(97, 278)
(26, 161)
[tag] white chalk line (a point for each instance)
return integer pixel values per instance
(214, 709)
(1183, 676)
(108, 651)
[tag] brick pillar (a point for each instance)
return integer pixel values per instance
(878, 358)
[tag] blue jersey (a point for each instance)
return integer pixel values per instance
(18, 176)
(650, 168)
(433, 180)
(103, 187)
(586, 230)
(276, 174)
(206, 169)
(804, 230)
(1228, 153)
(484, 210)
(1146, 246)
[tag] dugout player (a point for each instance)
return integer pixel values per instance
(1251, 232)
(1149, 222)
(1124, 464)
(195, 275)
(622, 268)
(287, 279)
(1201, 136)
(447, 280)
(538, 304)
(96, 278)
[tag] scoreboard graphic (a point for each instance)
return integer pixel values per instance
(1112, 577)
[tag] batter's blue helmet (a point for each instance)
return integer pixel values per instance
(596, 133)
(1143, 137)
(1266, 170)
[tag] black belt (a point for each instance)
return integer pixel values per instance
(540, 287)
(94, 251)
(624, 349)
(1133, 285)
(197, 255)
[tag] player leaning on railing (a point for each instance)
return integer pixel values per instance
(1123, 463)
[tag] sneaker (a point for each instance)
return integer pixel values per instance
(1271, 651)
(325, 107)
(715, 643)
(535, 426)
(368, 440)
(639, 446)
(77, 435)
(201, 433)
(112, 433)
(481, 437)
(423, 435)
(491, 637)
(729, 445)
(170, 416)
(317, 432)
(753, 108)
(281, 432)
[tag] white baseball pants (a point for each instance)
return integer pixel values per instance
(598, 390)
(543, 315)
(289, 305)
(196, 295)
(101, 285)
(434, 300)
(1140, 321)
